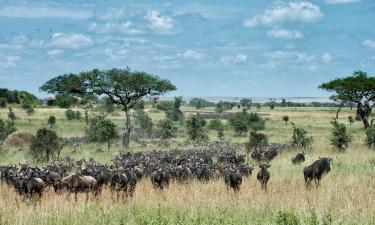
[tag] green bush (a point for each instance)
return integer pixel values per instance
(286, 119)
(101, 129)
(45, 144)
(6, 128)
(166, 129)
(144, 121)
(72, 115)
(300, 138)
(242, 122)
(51, 121)
(195, 126)
(287, 218)
(65, 101)
(340, 138)
(215, 124)
(3, 103)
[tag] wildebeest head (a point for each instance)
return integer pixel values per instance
(325, 163)
(264, 166)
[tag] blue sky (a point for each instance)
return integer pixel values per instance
(248, 48)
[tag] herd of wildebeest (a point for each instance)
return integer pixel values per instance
(215, 160)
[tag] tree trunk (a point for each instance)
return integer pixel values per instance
(126, 136)
(364, 111)
(339, 109)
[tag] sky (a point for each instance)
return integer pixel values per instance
(257, 48)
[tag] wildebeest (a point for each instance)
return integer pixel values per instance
(263, 176)
(132, 180)
(119, 183)
(29, 186)
(77, 183)
(245, 169)
(233, 179)
(160, 179)
(299, 158)
(316, 170)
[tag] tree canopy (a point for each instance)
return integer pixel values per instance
(358, 88)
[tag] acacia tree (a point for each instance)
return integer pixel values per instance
(357, 89)
(122, 86)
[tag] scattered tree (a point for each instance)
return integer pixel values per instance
(358, 89)
(45, 144)
(351, 120)
(196, 128)
(340, 138)
(51, 121)
(256, 140)
(300, 138)
(246, 103)
(144, 121)
(221, 135)
(175, 113)
(11, 115)
(215, 124)
(242, 122)
(6, 128)
(286, 119)
(102, 130)
(3, 103)
(166, 129)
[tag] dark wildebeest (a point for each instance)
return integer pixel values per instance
(316, 170)
(132, 180)
(263, 176)
(28, 187)
(299, 158)
(160, 179)
(119, 183)
(245, 169)
(233, 179)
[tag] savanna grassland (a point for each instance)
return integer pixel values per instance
(346, 195)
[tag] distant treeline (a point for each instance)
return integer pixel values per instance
(17, 97)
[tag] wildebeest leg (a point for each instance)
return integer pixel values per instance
(75, 196)
(87, 196)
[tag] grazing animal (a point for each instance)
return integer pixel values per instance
(28, 187)
(132, 181)
(77, 183)
(160, 179)
(233, 179)
(119, 182)
(299, 158)
(263, 176)
(316, 170)
(246, 170)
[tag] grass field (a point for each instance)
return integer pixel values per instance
(346, 194)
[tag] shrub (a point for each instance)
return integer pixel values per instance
(256, 140)
(286, 119)
(6, 128)
(220, 135)
(215, 124)
(3, 103)
(370, 137)
(65, 101)
(166, 129)
(300, 138)
(11, 115)
(30, 111)
(45, 144)
(72, 115)
(143, 121)
(287, 218)
(351, 120)
(340, 139)
(19, 139)
(101, 129)
(243, 121)
(196, 128)
(51, 121)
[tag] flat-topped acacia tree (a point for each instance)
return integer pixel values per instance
(122, 86)
(358, 89)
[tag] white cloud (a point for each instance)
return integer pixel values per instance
(161, 24)
(126, 28)
(369, 43)
(233, 59)
(193, 55)
(301, 11)
(112, 14)
(327, 58)
(116, 54)
(55, 52)
(8, 62)
(74, 40)
(340, 1)
(43, 12)
(284, 34)
(294, 56)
